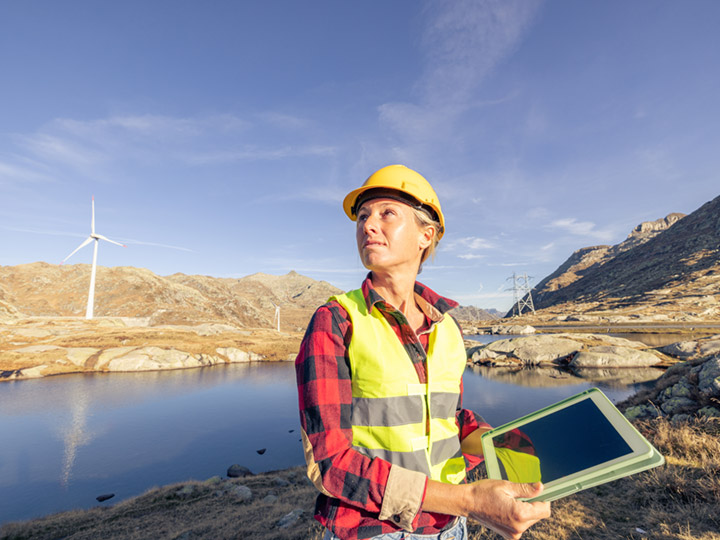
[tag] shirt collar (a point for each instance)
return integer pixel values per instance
(431, 303)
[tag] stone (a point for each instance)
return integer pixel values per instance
(288, 520)
(270, 499)
(261, 451)
(682, 388)
(613, 356)
(34, 349)
(512, 330)
(186, 491)
(214, 480)
(237, 356)
(709, 377)
(104, 497)
(242, 493)
(155, 358)
(280, 482)
(682, 349)
(709, 412)
(532, 350)
(676, 404)
(79, 355)
(238, 471)
(641, 411)
(710, 347)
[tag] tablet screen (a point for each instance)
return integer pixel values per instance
(565, 442)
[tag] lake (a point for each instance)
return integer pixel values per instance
(65, 440)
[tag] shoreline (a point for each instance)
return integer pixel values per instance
(675, 501)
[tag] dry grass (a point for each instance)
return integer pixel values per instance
(678, 501)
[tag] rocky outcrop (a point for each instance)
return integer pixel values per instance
(511, 329)
(689, 389)
(604, 356)
(577, 350)
(668, 268)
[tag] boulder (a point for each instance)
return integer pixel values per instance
(614, 356)
(710, 347)
(682, 349)
(535, 349)
(512, 330)
(709, 377)
(238, 356)
(242, 493)
(677, 404)
(288, 520)
(238, 471)
(155, 358)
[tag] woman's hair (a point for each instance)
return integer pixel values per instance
(423, 219)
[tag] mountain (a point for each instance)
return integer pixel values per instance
(41, 289)
(670, 266)
(472, 313)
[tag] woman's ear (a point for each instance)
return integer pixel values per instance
(426, 237)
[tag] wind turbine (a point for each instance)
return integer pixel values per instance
(96, 238)
(276, 317)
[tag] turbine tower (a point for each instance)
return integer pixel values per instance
(93, 237)
(276, 317)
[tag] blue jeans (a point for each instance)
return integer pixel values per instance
(457, 532)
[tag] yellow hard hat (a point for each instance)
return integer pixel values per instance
(398, 178)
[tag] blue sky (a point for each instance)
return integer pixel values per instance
(219, 138)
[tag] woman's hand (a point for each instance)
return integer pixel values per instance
(494, 503)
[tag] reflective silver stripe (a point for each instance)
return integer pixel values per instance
(389, 411)
(444, 404)
(445, 449)
(415, 461)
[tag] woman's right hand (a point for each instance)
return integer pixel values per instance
(496, 504)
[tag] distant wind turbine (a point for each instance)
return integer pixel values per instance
(96, 238)
(276, 317)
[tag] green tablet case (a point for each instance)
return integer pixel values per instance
(642, 457)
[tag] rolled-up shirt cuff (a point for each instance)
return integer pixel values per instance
(403, 497)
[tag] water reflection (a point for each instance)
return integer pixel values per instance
(542, 377)
(76, 435)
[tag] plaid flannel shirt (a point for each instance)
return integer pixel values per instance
(354, 487)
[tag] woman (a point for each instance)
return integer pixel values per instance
(380, 388)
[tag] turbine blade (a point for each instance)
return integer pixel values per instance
(85, 243)
(92, 224)
(101, 237)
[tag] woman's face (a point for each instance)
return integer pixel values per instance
(389, 237)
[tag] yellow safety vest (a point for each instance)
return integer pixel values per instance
(390, 407)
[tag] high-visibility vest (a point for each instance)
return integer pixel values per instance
(390, 407)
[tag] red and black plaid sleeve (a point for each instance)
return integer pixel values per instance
(325, 401)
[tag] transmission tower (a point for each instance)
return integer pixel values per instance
(522, 295)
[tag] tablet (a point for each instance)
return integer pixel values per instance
(580, 442)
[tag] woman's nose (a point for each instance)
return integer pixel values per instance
(370, 224)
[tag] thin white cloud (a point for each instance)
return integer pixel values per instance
(471, 256)
(581, 228)
(130, 241)
(464, 41)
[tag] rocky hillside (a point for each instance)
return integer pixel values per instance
(475, 314)
(41, 289)
(670, 266)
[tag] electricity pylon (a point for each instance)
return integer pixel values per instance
(522, 295)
